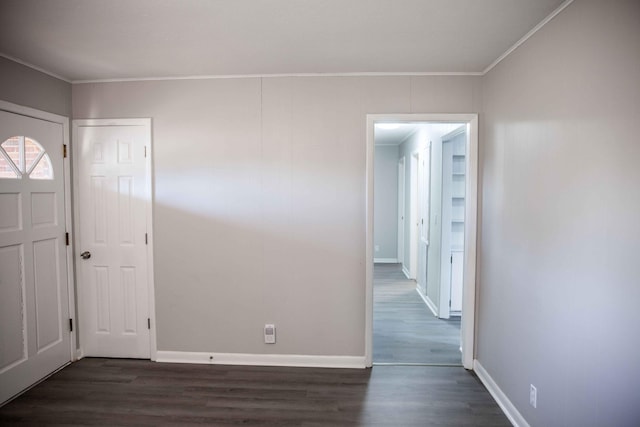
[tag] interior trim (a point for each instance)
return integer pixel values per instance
(35, 67)
(500, 397)
(294, 360)
(527, 36)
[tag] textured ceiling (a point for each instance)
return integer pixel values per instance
(116, 39)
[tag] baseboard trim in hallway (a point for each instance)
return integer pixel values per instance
(435, 365)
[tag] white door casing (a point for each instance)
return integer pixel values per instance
(34, 288)
(470, 225)
(401, 212)
(115, 274)
(424, 166)
(414, 213)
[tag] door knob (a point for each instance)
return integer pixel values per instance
(85, 255)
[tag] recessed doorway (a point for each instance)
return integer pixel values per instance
(406, 319)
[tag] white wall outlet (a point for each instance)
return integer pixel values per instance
(377, 248)
(533, 396)
(269, 334)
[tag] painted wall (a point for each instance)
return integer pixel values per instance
(385, 203)
(558, 261)
(26, 86)
(427, 133)
(259, 210)
(414, 144)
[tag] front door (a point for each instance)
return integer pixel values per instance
(34, 298)
(112, 259)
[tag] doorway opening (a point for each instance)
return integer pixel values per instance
(421, 266)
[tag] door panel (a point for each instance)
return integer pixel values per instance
(34, 308)
(112, 209)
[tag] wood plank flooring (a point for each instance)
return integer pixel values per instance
(123, 392)
(404, 329)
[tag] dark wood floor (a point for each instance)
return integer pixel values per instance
(122, 392)
(404, 329)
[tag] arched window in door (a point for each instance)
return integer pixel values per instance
(22, 156)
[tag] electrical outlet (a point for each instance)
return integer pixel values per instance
(533, 396)
(377, 248)
(269, 334)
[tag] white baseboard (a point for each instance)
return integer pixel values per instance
(385, 260)
(406, 272)
(357, 362)
(501, 399)
(428, 302)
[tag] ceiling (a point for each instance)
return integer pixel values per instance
(127, 39)
(394, 136)
(397, 133)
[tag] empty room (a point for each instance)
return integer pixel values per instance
(201, 221)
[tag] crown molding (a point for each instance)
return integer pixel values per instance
(353, 74)
(34, 67)
(527, 36)
(259, 76)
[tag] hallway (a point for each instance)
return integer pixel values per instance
(404, 329)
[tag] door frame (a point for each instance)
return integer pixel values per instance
(414, 214)
(470, 238)
(66, 167)
(401, 210)
(148, 201)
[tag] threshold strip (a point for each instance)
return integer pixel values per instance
(442, 365)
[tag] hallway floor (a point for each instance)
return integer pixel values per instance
(404, 329)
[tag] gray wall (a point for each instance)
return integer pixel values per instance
(259, 210)
(385, 202)
(385, 211)
(558, 261)
(26, 86)
(417, 142)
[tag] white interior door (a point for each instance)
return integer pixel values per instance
(34, 304)
(112, 258)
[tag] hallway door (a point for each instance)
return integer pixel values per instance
(112, 174)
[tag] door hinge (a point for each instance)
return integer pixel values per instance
(70, 325)
(146, 239)
(449, 303)
(66, 238)
(145, 151)
(148, 323)
(451, 260)
(64, 150)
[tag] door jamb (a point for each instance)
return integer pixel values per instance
(470, 238)
(64, 121)
(402, 176)
(145, 122)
